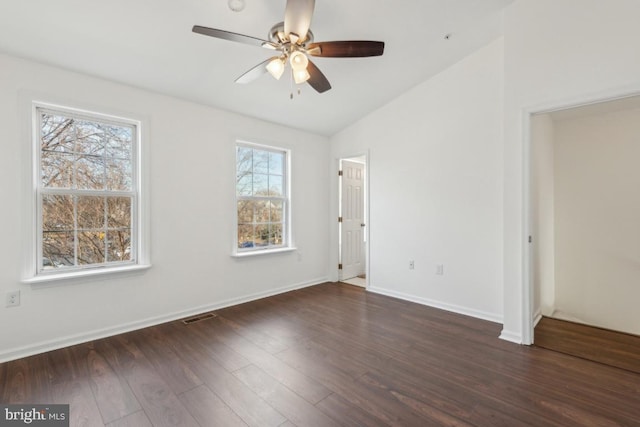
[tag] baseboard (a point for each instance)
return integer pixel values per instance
(511, 336)
(537, 318)
(44, 346)
(491, 317)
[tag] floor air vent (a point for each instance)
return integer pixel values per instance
(199, 318)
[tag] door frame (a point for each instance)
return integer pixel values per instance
(336, 202)
(528, 319)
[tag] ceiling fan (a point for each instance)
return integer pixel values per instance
(293, 40)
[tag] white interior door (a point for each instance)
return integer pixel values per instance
(352, 230)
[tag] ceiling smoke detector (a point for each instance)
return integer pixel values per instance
(236, 5)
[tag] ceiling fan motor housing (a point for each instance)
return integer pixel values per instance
(278, 36)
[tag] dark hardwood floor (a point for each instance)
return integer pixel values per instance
(328, 355)
(589, 342)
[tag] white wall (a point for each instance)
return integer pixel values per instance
(542, 214)
(597, 217)
(435, 151)
(191, 164)
(435, 159)
(557, 52)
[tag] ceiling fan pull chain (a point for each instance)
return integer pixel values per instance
(291, 85)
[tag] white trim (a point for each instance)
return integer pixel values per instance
(288, 242)
(44, 346)
(30, 103)
(85, 273)
(527, 320)
(584, 100)
(85, 114)
(478, 314)
(526, 327)
(536, 319)
(266, 251)
(367, 204)
(510, 336)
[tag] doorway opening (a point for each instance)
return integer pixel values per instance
(583, 210)
(352, 221)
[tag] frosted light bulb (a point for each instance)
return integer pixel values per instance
(299, 61)
(276, 67)
(301, 76)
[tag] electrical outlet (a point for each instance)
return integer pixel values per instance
(412, 265)
(440, 269)
(13, 299)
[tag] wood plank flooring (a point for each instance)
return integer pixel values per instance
(328, 355)
(588, 342)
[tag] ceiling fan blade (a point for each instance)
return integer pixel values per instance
(346, 49)
(227, 35)
(317, 80)
(255, 72)
(297, 18)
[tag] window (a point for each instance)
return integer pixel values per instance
(87, 191)
(262, 198)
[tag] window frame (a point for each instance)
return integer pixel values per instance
(287, 240)
(139, 235)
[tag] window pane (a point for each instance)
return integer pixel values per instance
(119, 245)
(90, 212)
(90, 138)
(119, 212)
(118, 141)
(57, 170)
(260, 161)
(244, 185)
(275, 234)
(276, 211)
(260, 185)
(262, 211)
(57, 213)
(276, 183)
(276, 163)
(119, 175)
(245, 236)
(90, 173)
(78, 154)
(262, 235)
(245, 212)
(57, 133)
(261, 216)
(91, 246)
(244, 160)
(57, 249)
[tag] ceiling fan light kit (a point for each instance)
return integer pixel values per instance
(275, 67)
(299, 61)
(294, 40)
(301, 76)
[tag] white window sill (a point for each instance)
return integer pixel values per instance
(94, 272)
(258, 252)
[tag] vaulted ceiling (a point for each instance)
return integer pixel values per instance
(149, 44)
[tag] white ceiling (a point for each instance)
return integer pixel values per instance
(149, 44)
